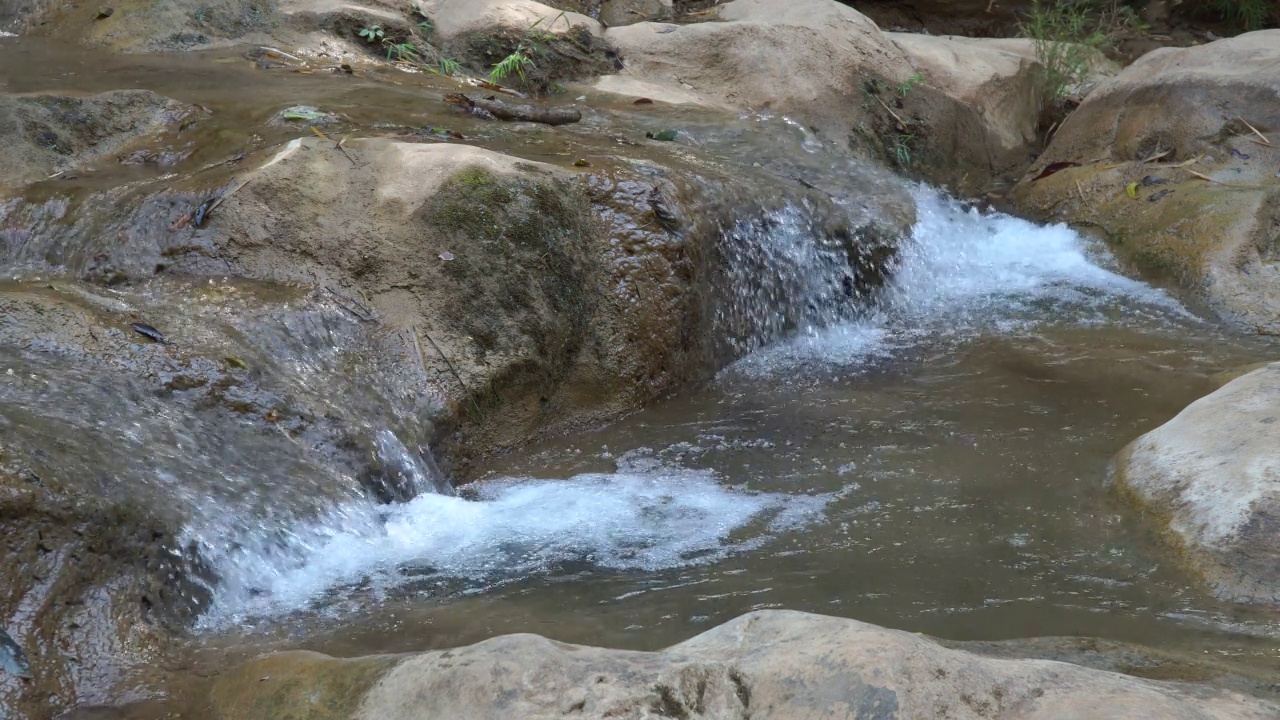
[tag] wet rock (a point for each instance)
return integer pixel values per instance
(768, 664)
(1212, 474)
(1173, 113)
(82, 579)
(45, 134)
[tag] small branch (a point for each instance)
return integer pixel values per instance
(1255, 131)
(452, 369)
(902, 125)
(1263, 144)
(1221, 182)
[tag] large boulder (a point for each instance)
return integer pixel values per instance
(787, 55)
(1212, 474)
(562, 45)
(768, 664)
(1162, 161)
(988, 119)
(956, 111)
(535, 298)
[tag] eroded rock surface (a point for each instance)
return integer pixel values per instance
(767, 664)
(1162, 161)
(1212, 474)
(46, 134)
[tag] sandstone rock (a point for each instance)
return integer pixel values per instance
(1170, 108)
(452, 21)
(44, 134)
(788, 55)
(1213, 474)
(984, 79)
(616, 13)
(565, 45)
(768, 664)
(972, 119)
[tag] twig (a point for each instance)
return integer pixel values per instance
(362, 313)
(901, 124)
(1255, 131)
(1263, 144)
(1220, 182)
(1185, 163)
(452, 369)
(282, 53)
(1157, 156)
(422, 357)
(337, 145)
(1081, 191)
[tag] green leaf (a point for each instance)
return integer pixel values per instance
(664, 135)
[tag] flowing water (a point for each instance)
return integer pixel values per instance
(938, 464)
(933, 459)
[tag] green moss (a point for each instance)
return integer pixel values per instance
(524, 263)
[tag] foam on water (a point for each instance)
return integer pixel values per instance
(515, 527)
(961, 273)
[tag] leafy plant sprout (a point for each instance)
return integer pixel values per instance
(521, 59)
(916, 80)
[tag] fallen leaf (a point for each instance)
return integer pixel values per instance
(581, 163)
(1132, 190)
(664, 135)
(446, 256)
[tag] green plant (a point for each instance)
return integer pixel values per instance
(1064, 35)
(373, 33)
(403, 51)
(447, 67)
(530, 44)
(902, 148)
(915, 81)
(1248, 14)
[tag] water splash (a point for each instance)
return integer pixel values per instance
(963, 273)
(436, 544)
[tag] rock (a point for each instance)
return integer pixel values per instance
(1213, 475)
(956, 111)
(810, 56)
(996, 94)
(563, 45)
(763, 665)
(1182, 110)
(453, 21)
(616, 13)
(45, 134)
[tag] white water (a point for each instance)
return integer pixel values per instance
(962, 273)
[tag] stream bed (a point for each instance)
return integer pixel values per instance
(936, 462)
(939, 466)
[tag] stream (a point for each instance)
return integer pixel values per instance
(936, 461)
(939, 466)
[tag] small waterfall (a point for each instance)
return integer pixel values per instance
(789, 272)
(407, 475)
